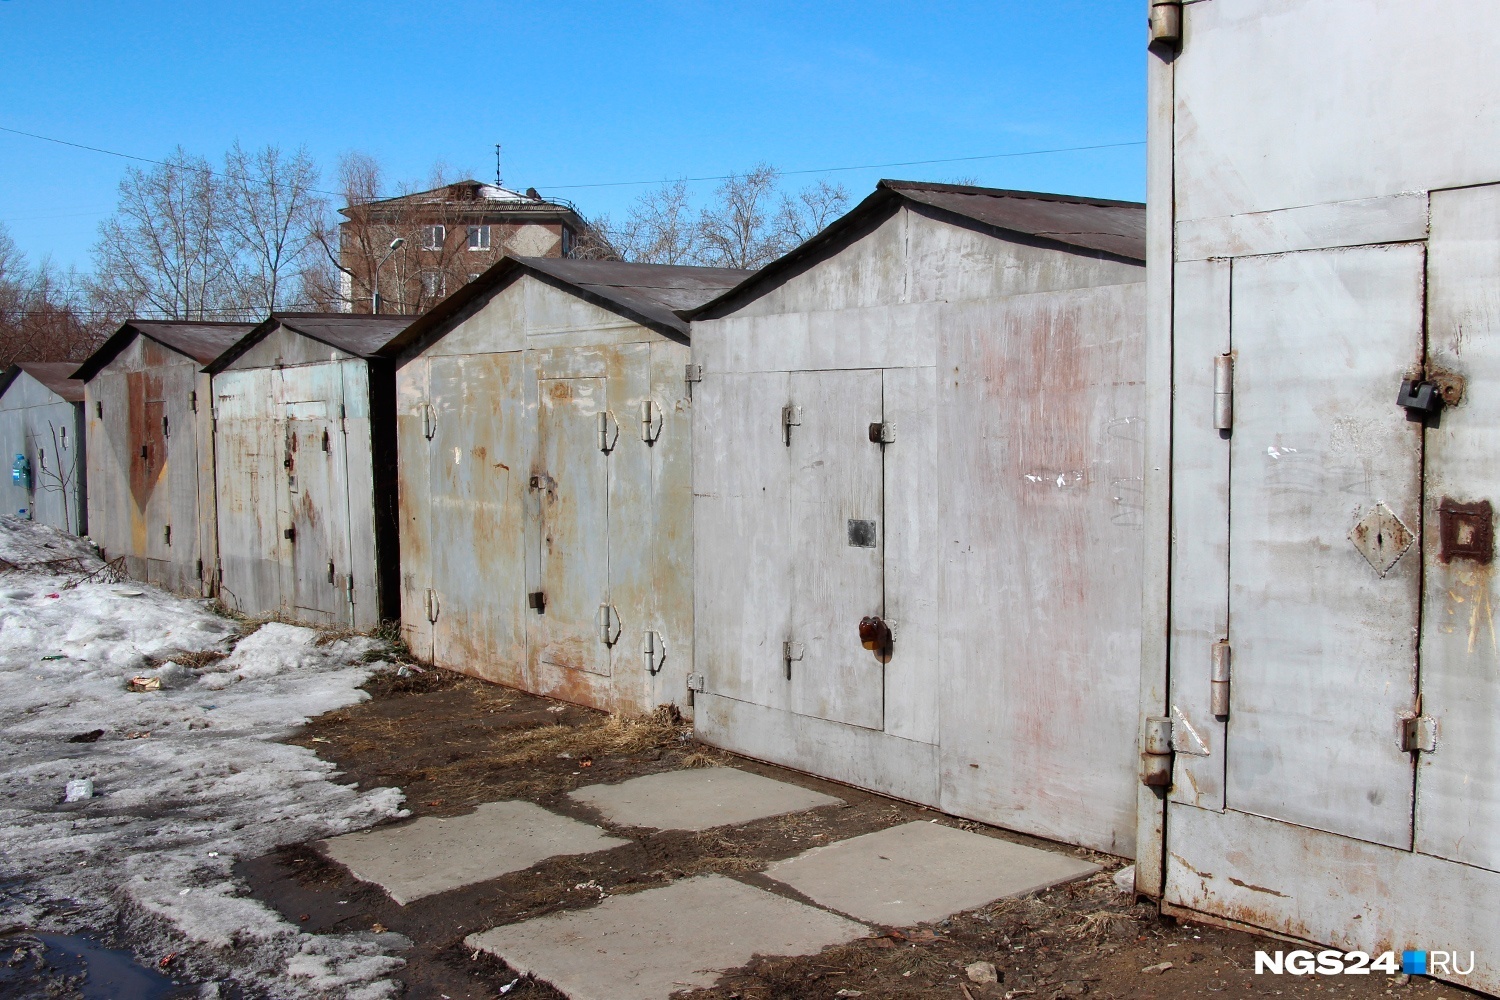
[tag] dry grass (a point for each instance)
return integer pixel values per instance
(596, 737)
(197, 660)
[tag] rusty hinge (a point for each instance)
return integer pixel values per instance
(1224, 392)
(429, 421)
(1419, 734)
(882, 433)
(608, 620)
(431, 604)
(791, 416)
(654, 649)
(1156, 752)
(608, 431)
(1166, 23)
(349, 587)
(650, 421)
(1218, 697)
(790, 652)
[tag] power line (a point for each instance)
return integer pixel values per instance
(865, 166)
(607, 184)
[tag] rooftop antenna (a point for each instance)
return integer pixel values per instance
(498, 181)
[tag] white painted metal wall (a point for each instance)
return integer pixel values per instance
(506, 492)
(1326, 186)
(998, 529)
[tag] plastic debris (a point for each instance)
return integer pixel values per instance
(79, 790)
(1157, 969)
(509, 986)
(1125, 878)
(145, 684)
(55, 656)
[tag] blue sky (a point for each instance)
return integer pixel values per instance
(578, 93)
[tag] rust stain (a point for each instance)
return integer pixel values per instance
(148, 452)
(1257, 888)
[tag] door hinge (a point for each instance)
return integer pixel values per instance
(693, 373)
(429, 421)
(193, 400)
(1166, 23)
(1218, 697)
(609, 431)
(1224, 392)
(695, 682)
(166, 534)
(349, 587)
(608, 620)
(791, 416)
(650, 421)
(655, 651)
(432, 603)
(537, 601)
(790, 652)
(883, 432)
(1156, 752)
(290, 534)
(1419, 734)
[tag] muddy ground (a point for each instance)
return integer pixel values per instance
(451, 743)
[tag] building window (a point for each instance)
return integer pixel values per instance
(433, 285)
(567, 242)
(433, 237)
(479, 237)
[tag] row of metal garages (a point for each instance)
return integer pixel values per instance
(955, 501)
(872, 511)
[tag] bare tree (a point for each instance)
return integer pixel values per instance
(598, 240)
(271, 218)
(809, 213)
(738, 229)
(45, 314)
(164, 252)
(661, 228)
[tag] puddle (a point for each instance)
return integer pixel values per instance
(37, 965)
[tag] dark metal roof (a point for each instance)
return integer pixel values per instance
(57, 376)
(197, 340)
(361, 335)
(468, 198)
(1097, 226)
(650, 294)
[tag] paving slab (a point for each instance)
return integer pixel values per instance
(434, 855)
(698, 799)
(647, 945)
(918, 872)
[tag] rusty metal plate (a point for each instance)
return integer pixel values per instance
(1466, 531)
(1381, 538)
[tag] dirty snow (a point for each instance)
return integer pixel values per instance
(186, 779)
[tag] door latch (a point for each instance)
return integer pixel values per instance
(1156, 752)
(875, 634)
(883, 432)
(790, 653)
(1420, 398)
(655, 651)
(1419, 734)
(609, 624)
(650, 421)
(791, 416)
(537, 601)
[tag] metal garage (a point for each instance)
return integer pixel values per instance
(304, 415)
(917, 465)
(545, 498)
(150, 449)
(42, 440)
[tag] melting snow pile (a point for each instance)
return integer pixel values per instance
(186, 771)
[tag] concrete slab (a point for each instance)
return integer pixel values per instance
(920, 872)
(648, 945)
(698, 799)
(434, 855)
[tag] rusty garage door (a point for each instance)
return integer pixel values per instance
(317, 582)
(575, 624)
